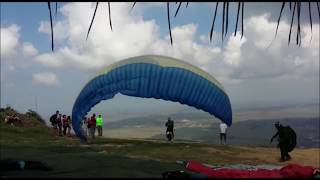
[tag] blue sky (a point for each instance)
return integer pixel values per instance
(252, 73)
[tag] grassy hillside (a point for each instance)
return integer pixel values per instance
(107, 157)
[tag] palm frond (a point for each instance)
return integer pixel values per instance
(168, 11)
(242, 19)
(223, 18)
(235, 30)
(310, 18)
(52, 45)
(290, 6)
(109, 15)
(94, 14)
(177, 9)
(227, 19)
(294, 7)
(298, 38)
(133, 6)
(214, 19)
(318, 10)
(283, 4)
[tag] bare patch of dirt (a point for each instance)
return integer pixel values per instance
(307, 157)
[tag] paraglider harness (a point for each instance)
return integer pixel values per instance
(287, 138)
(290, 138)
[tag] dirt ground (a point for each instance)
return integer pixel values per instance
(307, 157)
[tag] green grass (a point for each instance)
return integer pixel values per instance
(69, 158)
(105, 157)
(108, 157)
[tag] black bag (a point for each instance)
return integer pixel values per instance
(175, 174)
(290, 138)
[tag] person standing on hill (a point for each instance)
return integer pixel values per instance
(84, 126)
(99, 123)
(169, 132)
(286, 140)
(92, 126)
(64, 124)
(53, 120)
(59, 123)
(68, 125)
(88, 126)
(223, 133)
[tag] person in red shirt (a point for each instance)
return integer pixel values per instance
(59, 122)
(64, 124)
(92, 126)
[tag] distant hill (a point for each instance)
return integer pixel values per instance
(255, 133)
(248, 133)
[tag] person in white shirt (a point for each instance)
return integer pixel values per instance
(223, 133)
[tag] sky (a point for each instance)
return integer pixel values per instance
(254, 69)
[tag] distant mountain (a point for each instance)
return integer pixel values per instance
(159, 120)
(249, 133)
(255, 133)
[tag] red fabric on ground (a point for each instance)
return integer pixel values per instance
(297, 171)
(289, 171)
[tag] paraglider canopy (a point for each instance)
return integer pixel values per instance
(156, 77)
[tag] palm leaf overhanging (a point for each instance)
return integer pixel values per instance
(225, 18)
(52, 45)
(94, 14)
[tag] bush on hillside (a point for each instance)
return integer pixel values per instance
(35, 115)
(29, 119)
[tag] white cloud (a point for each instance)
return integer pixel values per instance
(29, 50)
(46, 78)
(14, 53)
(9, 40)
(232, 51)
(131, 36)
(237, 60)
(59, 32)
(50, 60)
(254, 58)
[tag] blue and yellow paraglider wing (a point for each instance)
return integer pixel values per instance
(154, 77)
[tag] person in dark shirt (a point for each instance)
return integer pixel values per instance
(53, 120)
(169, 131)
(284, 140)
